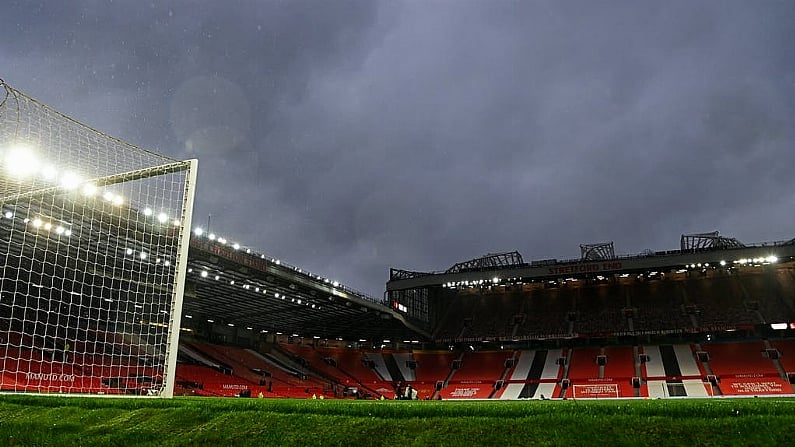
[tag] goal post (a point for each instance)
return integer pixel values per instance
(94, 237)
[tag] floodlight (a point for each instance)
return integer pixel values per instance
(21, 162)
(49, 173)
(89, 189)
(162, 217)
(70, 180)
(198, 231)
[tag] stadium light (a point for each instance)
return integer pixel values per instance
(89, 189)
(8, 215)
(162, 217)
(722, 263)
(21, 162)
(70, 180)
(198, 231)
(148, 211)
(771, 259)
(49, 173)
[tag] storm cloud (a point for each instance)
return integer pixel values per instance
(347, 137)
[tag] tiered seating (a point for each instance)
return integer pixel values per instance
(659, 306)
(477, 375)
(582, 364)
(769, 291)
(739, 359)
(482, 366)
(352, 363)
(238, 359)
(492, 315)
(28, 370)
(742, 369)
(599, 310)
(546, 312)
(433, 366)
(316, 361)
(212, 382)
(719, 301)
(620, 363)
(786, 350)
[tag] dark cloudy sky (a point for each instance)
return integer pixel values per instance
(347, 137)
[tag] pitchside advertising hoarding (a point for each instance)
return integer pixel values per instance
(595, 391)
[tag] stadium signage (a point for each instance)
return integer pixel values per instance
(51, 377)
(585, 268)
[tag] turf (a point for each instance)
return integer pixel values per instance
(58, 421)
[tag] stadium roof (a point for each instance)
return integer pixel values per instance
(234, 290)
(694, 251)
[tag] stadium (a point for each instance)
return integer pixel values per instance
(108, 290)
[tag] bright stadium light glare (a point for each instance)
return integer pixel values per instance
(49, 173)
(236, 246)
(67, 233)
(198, 231)
(204, 273)
(21, 162)
(771, 259)
(211, 236)
(89, 189)
(70, 180)
(108, 196)
(148, 211)
(143, 255)
(129, 251)
(8, 215)
(162, 217)
(37, 222)
(118, 200)
(722, 263)
(48, 226)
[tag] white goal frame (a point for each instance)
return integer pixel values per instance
(94, 241)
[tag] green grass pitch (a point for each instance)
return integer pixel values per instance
(60, 421)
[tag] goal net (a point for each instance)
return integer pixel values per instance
(94, 236)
